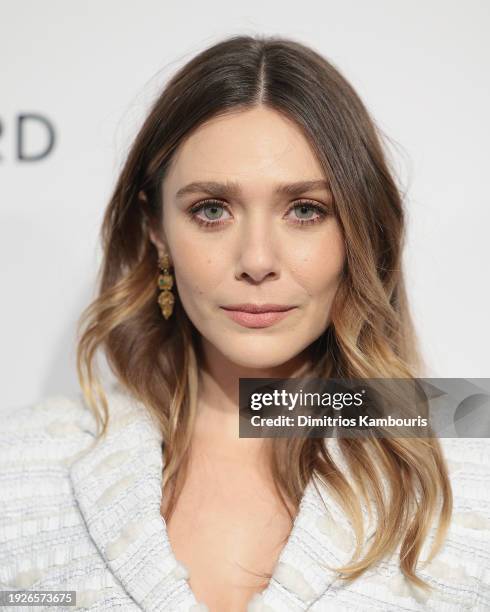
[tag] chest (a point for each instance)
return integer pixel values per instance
(228, 528)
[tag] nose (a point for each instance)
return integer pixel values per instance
(257, 254)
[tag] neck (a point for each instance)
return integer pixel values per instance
(217, 421)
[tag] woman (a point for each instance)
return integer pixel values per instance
(256, 184)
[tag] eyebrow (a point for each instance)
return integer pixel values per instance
(233, 189)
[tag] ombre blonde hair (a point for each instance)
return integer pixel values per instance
(370, 334)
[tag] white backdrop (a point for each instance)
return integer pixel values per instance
(90, 69)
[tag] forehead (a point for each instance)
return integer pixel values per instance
(256, 144)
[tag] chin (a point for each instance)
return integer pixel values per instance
(257, 355)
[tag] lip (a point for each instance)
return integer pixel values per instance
(259, 318)
(258, 307)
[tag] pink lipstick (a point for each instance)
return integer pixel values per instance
(257, 315)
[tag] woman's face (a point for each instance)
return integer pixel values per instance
(251, 242)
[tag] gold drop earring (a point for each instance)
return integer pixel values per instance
(166, 298)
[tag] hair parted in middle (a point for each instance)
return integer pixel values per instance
(370, 334)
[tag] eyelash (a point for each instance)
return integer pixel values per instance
(299, 203)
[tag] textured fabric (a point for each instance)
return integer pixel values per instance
(77, 514)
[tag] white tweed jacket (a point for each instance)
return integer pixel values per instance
(85, 516)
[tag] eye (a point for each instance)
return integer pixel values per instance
(308, 208)
(212, 213)
(212, 210)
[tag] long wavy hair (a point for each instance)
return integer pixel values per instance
(370, 334)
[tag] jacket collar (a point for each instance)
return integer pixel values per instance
(118, 486)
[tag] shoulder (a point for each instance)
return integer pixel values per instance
(54, 430)
(40, 523)
(41, 527)
(469, 450)
(51, 425)
(38, 443)
(459, 573)
(468, 464)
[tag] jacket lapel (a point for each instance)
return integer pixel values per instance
(118, 487)
(117, 484)
(321, 540)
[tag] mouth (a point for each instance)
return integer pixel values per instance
(256, 316)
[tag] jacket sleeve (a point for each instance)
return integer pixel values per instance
(37, 445)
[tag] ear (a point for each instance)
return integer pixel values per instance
(156, 241)
(153, 232)
(160, 245)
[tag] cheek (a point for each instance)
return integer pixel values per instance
(197, 272)
(318, 263)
